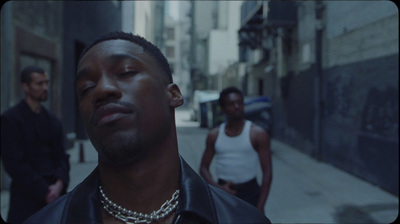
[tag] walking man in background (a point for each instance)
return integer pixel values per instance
(239, 146)
(32, 149)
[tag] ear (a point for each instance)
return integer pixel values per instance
(25, 86)
(174, 95)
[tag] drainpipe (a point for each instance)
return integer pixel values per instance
(319, 103)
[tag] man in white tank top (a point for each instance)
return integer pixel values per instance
(239, 146)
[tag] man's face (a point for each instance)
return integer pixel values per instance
(38, 88)
(233, 106)
(123, 100)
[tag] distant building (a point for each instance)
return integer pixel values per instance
(214, 44)
(223, 43)
(147, 20)
(203, 20)
(177, 44)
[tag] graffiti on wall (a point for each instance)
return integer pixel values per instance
(380, 112)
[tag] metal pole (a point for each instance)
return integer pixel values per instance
(319, 103)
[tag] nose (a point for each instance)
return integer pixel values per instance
(106, 90)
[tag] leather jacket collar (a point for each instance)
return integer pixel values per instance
(195, 201)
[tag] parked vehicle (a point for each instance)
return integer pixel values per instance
(206, 110)
(201, 96)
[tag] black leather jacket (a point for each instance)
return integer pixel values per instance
(199, 202)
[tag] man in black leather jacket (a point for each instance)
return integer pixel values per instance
(127, 99)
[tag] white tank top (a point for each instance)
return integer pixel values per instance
(236, 159)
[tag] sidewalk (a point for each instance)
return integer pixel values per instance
(303, 190)
(307, 191)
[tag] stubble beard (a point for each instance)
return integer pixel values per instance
(120, 151)
(43, 97)
(127, 148)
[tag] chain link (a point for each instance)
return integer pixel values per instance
(132, 217)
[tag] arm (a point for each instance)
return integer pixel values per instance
(206, 161)
(62, 172)
(261, 143)
(15, 162)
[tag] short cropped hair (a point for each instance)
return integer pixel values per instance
(226, 92)
(147, 46)
(25, 75)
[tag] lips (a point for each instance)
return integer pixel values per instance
(109, 113)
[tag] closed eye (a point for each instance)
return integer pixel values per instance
(85, 89)
(127, 74)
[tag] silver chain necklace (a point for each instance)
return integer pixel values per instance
(129, 216)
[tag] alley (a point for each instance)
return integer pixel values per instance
(303, 190)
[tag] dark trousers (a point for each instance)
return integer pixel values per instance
(23, 204)
(248, 191)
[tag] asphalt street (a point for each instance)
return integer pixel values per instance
(303, 190)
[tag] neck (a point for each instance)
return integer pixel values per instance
(235, 123)
(234, 127)
(145, 185)
(33, 104)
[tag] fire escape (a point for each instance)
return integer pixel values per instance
(265, 34)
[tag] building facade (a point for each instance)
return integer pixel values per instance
(82, 22)
(222, 43)
(30, 34)
(51, 34)
(177, 44)
(203, 20)
(331, 70)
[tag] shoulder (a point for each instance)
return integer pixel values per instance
(257, 131)
(13, 111)
(12, 116)
(215, 130)
(213, 134)
(52, 213)
(231, 209)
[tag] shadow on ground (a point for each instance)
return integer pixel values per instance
(361, 214)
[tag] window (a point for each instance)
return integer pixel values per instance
(170, 52)
(170, 34)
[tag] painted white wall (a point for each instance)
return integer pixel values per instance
(143, 19)
(223, 42)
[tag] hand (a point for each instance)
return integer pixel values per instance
(54, 191)
(227, 187)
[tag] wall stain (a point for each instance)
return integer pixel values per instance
(380, 113)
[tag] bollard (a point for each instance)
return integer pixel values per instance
(81, 153)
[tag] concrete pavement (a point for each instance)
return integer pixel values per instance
(303, 190)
